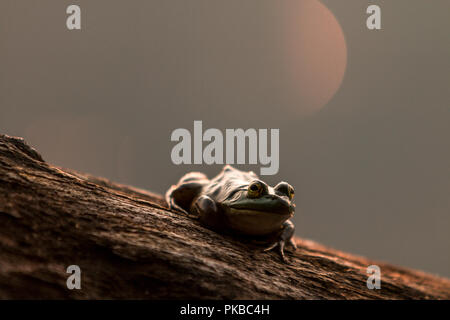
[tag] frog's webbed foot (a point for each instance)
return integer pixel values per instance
(284, 239)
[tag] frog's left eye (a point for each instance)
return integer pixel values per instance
(285, 188)
(255, 189)
(291, 193)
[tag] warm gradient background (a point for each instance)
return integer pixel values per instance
(364, 116)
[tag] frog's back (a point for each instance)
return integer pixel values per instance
(228, 180)
(195, 184)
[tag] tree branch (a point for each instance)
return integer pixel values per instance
(129, 245)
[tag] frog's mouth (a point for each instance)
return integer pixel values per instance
(266, 206)
(259, 222)
(260, 213)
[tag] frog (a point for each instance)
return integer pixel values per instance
(238, 202)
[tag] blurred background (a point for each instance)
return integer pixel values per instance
(364, 116)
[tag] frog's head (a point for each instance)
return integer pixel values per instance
(258, 209)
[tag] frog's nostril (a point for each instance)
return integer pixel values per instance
(282, 200)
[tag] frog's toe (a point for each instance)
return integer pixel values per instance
(292, 244)
(280, 248)
(271, 247)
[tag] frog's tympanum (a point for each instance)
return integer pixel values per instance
(239, 202)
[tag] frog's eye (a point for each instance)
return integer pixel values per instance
(255, 189)
(284, 188)
(291, 193)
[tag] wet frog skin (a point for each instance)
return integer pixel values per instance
(237, 201)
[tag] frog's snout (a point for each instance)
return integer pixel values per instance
(280, 203)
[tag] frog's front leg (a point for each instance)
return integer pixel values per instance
(207, 212)
(285, 238)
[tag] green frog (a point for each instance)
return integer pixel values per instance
(240, 202)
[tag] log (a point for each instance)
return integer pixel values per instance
(129, 245)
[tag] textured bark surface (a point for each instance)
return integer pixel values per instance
(129, 245)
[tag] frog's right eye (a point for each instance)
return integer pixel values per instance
(255, 189)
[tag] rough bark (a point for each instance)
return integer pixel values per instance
(129, 245)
